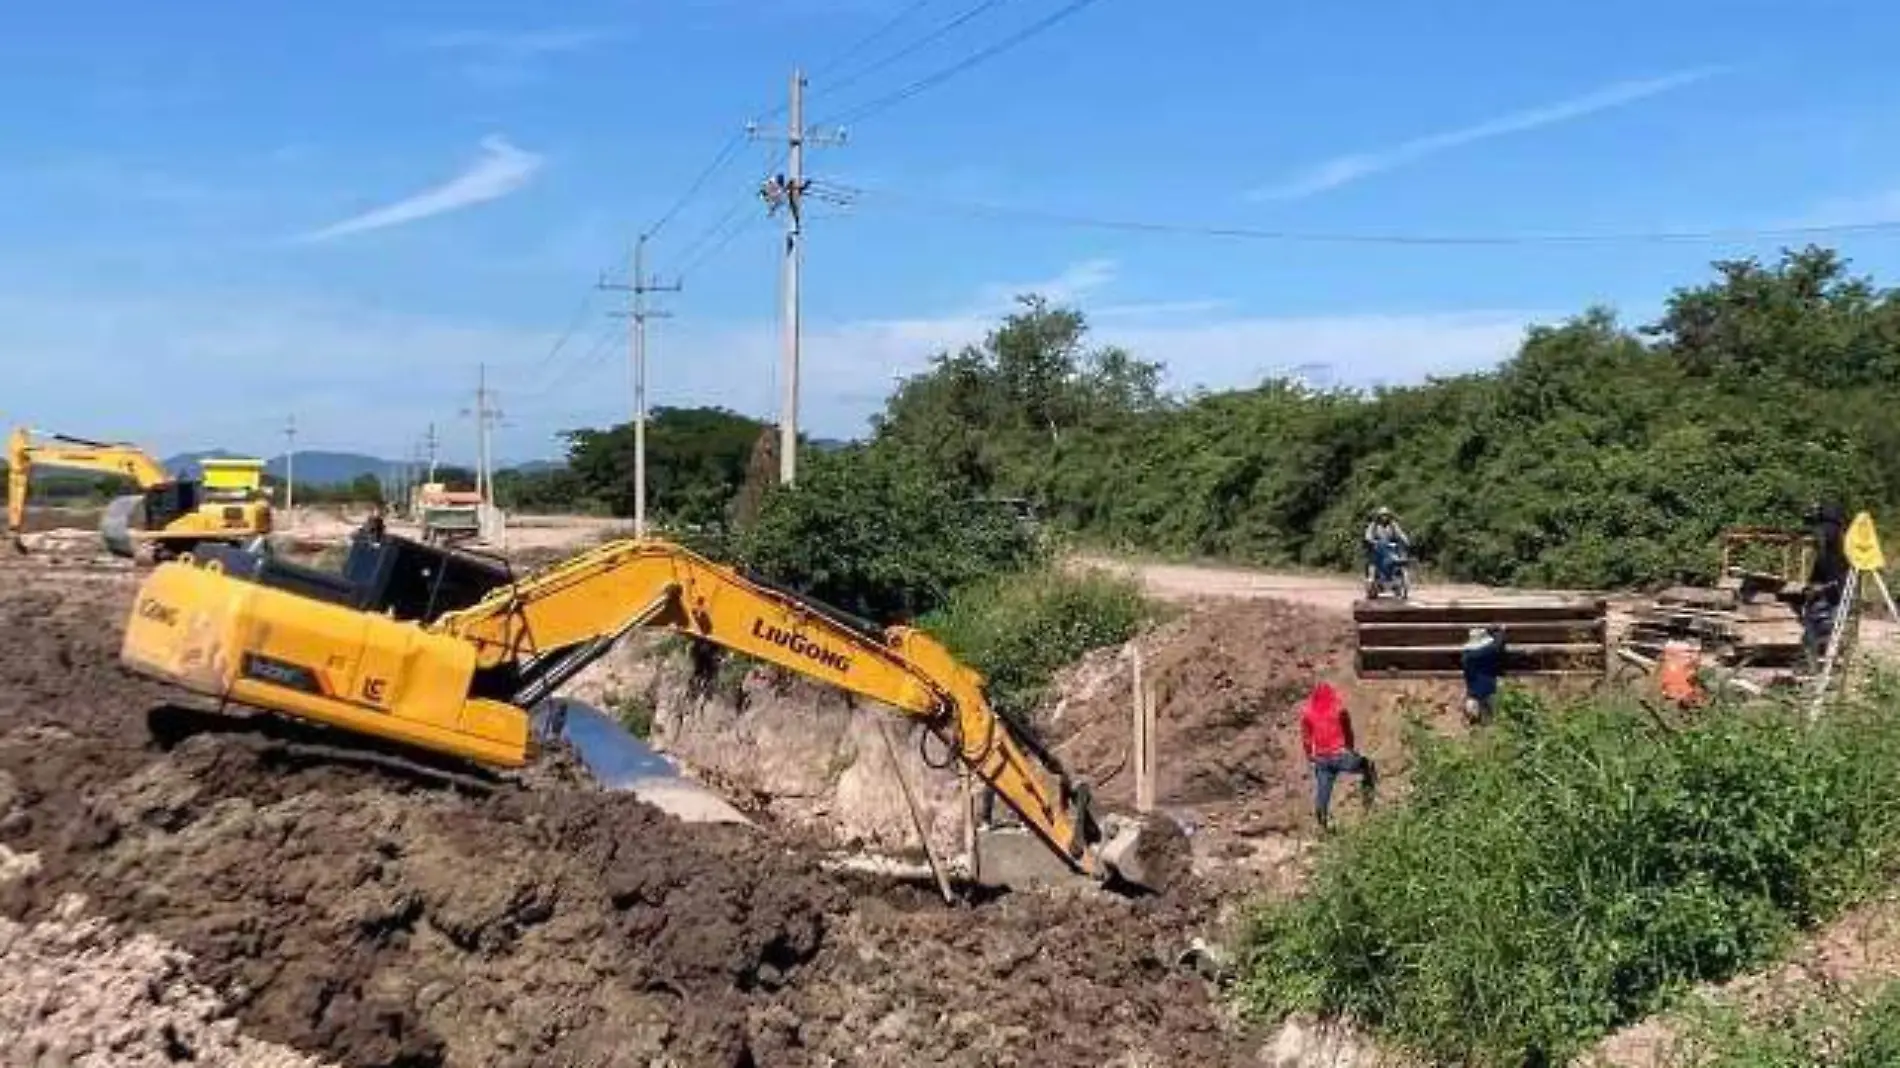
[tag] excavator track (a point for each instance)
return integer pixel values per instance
(295, 745)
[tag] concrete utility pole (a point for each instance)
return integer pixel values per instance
(485, 415)
(639, 284)
(290, 466)
(430, 443)
(788, 191)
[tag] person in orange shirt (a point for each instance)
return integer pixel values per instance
(1326, 736)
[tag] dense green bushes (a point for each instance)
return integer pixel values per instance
(1018, 630)
(1599, 456)
(880, 538)
(1563, 874)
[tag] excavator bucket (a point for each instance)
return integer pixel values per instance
(116, 526)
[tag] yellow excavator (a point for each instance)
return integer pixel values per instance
(171, 515)
(445, 651)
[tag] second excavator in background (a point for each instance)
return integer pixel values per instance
(449, 653)
(171, 515)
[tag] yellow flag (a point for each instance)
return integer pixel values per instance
(1863, 545)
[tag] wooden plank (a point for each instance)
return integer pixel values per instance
(1401, 635)
(1516, 660)
(1472, 613)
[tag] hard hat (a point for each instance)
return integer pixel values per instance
(1478, 636)
(1382, 511)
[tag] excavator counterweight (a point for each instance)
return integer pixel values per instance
(450, 653)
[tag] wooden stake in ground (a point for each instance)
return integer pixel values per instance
(1139, 751)
(916, 816)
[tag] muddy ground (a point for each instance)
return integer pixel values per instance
(372, 918)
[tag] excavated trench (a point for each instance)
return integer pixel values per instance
(373, 916)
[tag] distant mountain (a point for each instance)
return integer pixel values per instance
(316, 466)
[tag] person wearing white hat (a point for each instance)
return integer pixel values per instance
(1483, 662)
(1382, 531)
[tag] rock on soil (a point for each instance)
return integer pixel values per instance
(372, 918)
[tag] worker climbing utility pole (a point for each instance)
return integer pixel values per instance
(637, 288)
(788, 191)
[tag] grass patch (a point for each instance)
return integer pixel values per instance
(1806, 1036)
(1019, 629)
(1567, 872)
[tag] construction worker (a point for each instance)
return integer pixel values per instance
(1483, 663)
(373, 528)
(1827, 578)
(1326, 736)
(1382, 531)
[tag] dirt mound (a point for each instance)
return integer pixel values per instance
(75, 991)
(392, 919)
(1227, 680)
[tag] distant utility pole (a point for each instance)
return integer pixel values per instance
(430, 443)
(290, 465)
(485, 415)
(639, 284)
(788, 191)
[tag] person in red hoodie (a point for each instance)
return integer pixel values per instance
(1326, 735)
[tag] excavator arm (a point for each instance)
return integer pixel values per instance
(549, 626)
(27, 451)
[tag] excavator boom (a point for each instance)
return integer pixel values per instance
(441, 650)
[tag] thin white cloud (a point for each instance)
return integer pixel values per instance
(1075, 282)
(502, 170)
(508, 58)
(1333, 173)
(519, 44)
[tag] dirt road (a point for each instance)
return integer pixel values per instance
(1183, 583)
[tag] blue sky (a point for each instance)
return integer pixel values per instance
(214, 215)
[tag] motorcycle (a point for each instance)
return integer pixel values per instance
(1391, 572)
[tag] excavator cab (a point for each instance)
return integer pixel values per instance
(392, 577)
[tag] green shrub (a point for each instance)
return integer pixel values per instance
(878, 537)
(1019, 629)
(634, 711)
(1563, 874)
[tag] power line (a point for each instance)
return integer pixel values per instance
(580, 316)
(981, 55)
(740, 226)
(871, 38)
(1054, 218)
(912, 48)
(727, 226)
(566, 374)
(719, 160)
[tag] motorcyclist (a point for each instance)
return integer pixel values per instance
(1382, 531)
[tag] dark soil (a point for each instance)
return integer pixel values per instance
(380, 916)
